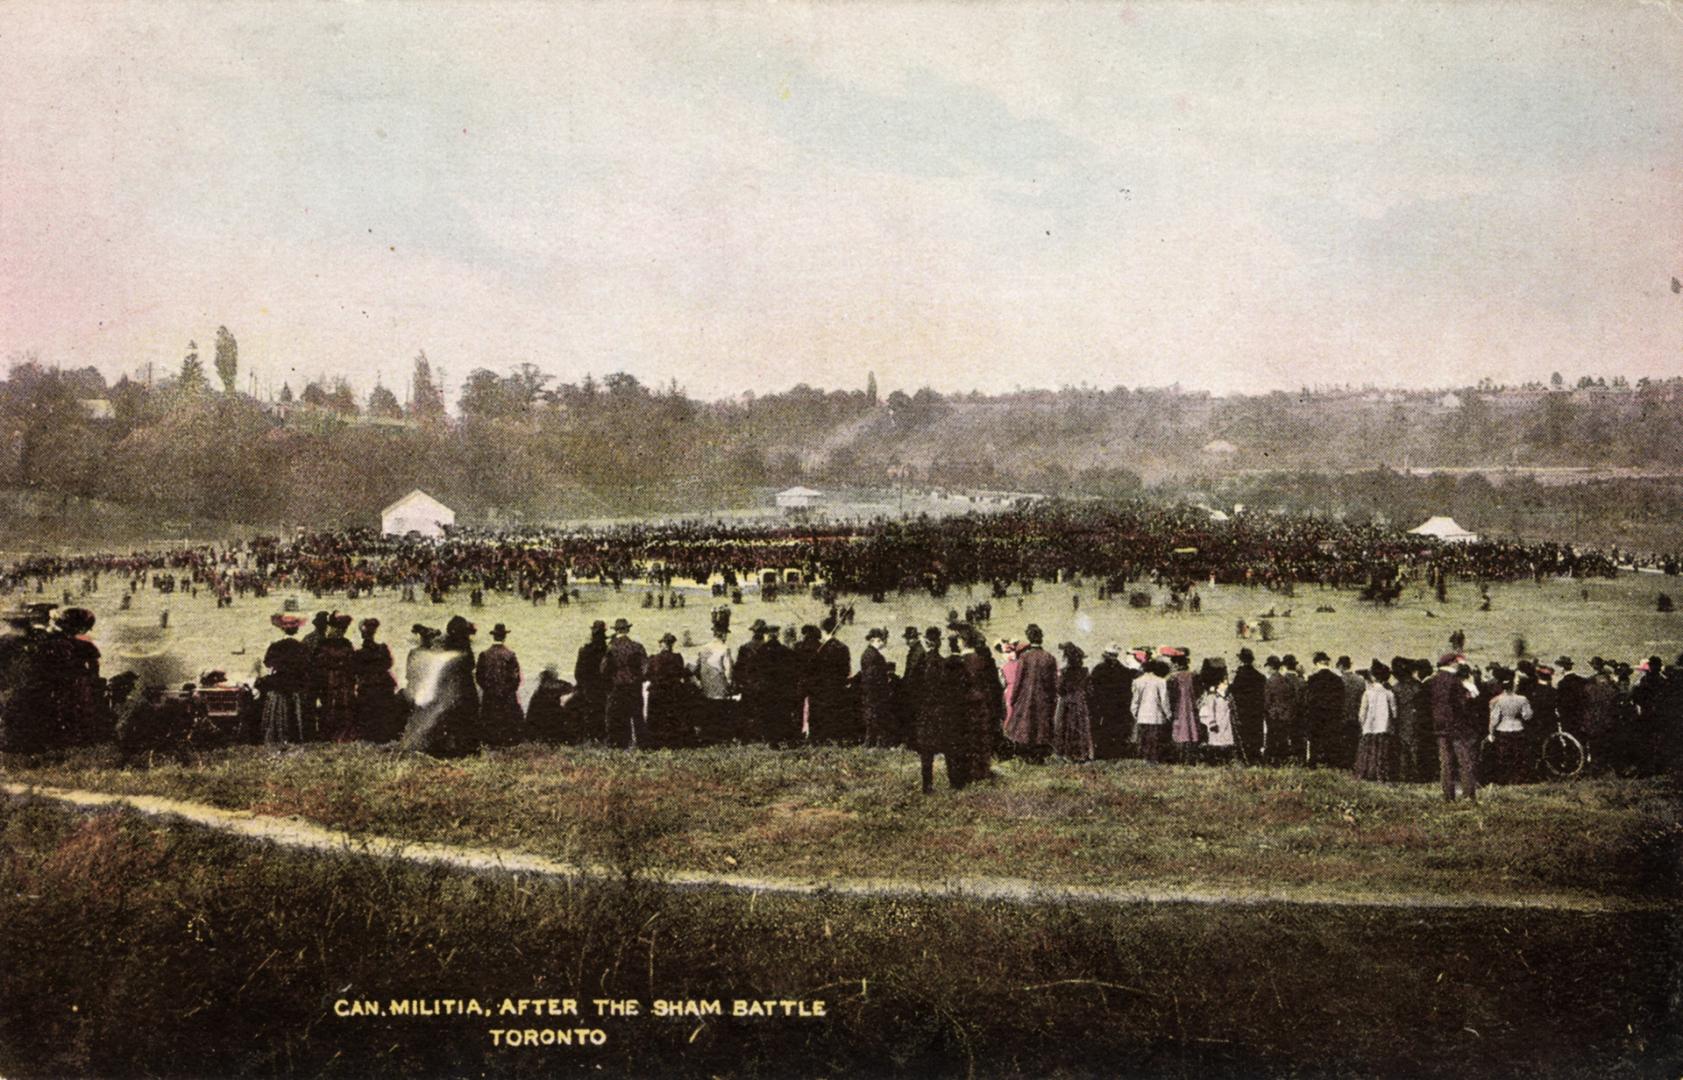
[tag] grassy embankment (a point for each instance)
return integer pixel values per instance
(856, 813)
(134, 947)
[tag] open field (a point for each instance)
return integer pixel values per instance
(235, 955)
(1617, 619)
(834, 813)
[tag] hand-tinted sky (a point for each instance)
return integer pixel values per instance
(1228, 196)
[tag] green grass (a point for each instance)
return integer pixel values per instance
(856, 813)
(139, 948)
(1617, 620)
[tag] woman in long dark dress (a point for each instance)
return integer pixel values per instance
(286, 684)
(336, 676)
(1072, 723)
(376, 689)
(978, 710)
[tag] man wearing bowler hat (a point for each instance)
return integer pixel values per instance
(501, 722)
(623, 669)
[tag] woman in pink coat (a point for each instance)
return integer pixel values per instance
(1008, 669)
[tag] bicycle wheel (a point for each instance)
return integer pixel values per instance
(1564, 757)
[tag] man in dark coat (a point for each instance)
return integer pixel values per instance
(1323, 707)
(1458, 727)
(1111, 687)
(778, 670)
(930, 732)
(1570, 698)
(1349, 734)
(1541, 692)
(498, 674)
(670, 701)
(1280, 707)
(590, 699)
(831, 716)
(906, 697)
(1248, 688)
(876, 703)
(750, 678)
(623, 668)
(1034, 700)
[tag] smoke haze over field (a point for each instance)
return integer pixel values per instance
(1232, 197)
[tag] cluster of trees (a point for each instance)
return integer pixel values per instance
(519, 443)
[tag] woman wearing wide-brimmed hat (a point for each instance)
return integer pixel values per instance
(285, 686)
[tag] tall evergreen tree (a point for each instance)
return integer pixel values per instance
(426, 396)
(227, 359)
(192, 379)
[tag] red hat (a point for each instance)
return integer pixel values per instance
(1544, 670)
(1170, 650)
(287, 621)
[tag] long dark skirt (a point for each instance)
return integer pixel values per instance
(1512, 753)
(283, 718)
(1154, 742)
(1376, 757)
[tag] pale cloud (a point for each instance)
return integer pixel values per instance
(743, 197)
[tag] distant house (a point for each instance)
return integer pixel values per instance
(799, 498)
(1220, 447)
(1444, 528)
(416, 512)
(1449, 401)
(97, 409)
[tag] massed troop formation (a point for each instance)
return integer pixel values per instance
(1110, 543)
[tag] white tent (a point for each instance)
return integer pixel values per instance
(1444, 528)
(799, 498)
(416, 512)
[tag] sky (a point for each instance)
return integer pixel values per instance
(742, 197)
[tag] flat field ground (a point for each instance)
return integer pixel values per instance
(831, 814)
(233, 953)
(138, 946)
(1613, 618)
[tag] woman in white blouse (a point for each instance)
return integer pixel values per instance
(1376, 752)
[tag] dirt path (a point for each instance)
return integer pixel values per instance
(294, 832)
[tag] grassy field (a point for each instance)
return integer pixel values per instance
(139, 948)
(1618, 619)
(833, 813)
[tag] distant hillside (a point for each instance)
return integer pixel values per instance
(518, 448)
